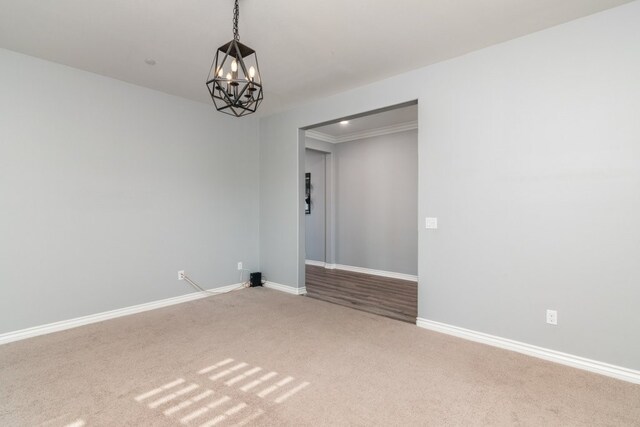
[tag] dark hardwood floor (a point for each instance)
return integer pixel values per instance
(394, 298)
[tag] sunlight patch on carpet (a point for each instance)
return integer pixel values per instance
(227, 371)
(274, 387)
(160, 389)
(259, 381)
(241, 377)
(173, 396)
(291, 392)
(228, 413)
(232, 393)
(188, 402)
(199, 412)
(216, 366)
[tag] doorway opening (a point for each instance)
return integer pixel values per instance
(361, 211)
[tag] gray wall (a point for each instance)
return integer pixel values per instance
(377, 202)
(108, 189)
(315, 221)
(528, 155)
(314, 144)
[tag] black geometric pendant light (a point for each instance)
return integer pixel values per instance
(234, 80)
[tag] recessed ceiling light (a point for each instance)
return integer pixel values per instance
(344, 122)
(150, 61)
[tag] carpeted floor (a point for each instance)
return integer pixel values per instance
(261, 357)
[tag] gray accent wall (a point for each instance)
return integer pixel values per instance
(377, 202)
(315, 221)
(108, 189)
(528, 155)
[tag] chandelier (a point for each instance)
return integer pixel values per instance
(234, 81)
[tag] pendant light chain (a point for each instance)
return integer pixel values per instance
(236, 14)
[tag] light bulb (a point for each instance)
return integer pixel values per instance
(252, 72)
(229, 83)
(220, 72)
(234, 66)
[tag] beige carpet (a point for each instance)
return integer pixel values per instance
(261, 357)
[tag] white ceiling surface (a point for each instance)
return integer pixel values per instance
(306, 49)
(386, 119)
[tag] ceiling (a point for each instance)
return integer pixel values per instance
(306, 49)
(390, 121)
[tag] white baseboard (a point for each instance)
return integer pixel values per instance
(99, 317)
(285, 288)
(601, 368)
(382, 273)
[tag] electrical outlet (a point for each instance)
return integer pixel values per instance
(239, 266)
(552, 317)
(431, 223)
(181, 275)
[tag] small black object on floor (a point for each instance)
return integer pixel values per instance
(255, 279)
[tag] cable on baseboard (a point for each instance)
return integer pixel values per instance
(199, 288)
(243, 270)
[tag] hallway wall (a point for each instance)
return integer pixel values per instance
(377, 203)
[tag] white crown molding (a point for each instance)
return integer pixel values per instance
(370, 133)
(594, 366)
(320, 136)
(284, 288)
(106, 315)
(386, 130)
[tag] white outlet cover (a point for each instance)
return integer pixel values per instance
(239, 266)
(431, 223)
(552, 317)
(181, 275)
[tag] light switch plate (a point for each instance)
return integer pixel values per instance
(431, 223)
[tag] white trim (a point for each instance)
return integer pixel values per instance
(382, 273)
(386, 130)
(601, 368)
(369, 133)
(106, 315)
(320, 136)
(286, 288)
